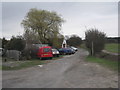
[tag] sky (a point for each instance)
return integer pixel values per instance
(78, 16)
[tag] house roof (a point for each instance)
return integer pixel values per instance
(64, 42)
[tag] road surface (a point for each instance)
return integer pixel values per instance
(71, 71)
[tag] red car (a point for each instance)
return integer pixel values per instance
(45, 52)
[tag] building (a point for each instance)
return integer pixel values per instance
(64, 44)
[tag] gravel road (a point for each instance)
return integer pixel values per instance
(72, 71)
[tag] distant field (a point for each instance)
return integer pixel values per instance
(112, 47)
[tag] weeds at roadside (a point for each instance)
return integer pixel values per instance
(106, 63)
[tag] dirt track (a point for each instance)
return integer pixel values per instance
(72, 71)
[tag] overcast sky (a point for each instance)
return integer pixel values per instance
(78, 16)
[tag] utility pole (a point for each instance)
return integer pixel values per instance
(92, 48)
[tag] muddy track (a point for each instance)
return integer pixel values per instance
(72, 71)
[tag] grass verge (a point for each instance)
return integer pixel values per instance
(106, 63)
(22, 64)
(112, 47)
(11, 64)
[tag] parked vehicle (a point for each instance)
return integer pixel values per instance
(45, 52)
(72, 50)
(76, 49)
(64, 51)
(55, 52)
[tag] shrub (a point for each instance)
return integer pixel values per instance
(94, 40)
(74, 40)
(16, 43)
(30, 51)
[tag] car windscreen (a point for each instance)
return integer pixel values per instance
(54, 50)
(60, 49)
(46, 49)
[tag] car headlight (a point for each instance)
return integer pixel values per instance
(57, 52)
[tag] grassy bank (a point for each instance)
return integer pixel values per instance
(16, 65)
(112, 47)
(106, 63)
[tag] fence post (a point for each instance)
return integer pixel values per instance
(92, 48)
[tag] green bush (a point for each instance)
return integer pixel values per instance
(94, 40)
(16, 43)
